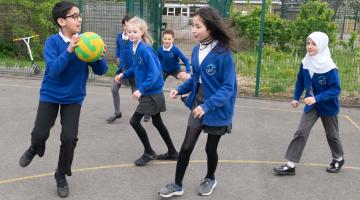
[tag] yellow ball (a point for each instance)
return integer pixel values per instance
(90, 48)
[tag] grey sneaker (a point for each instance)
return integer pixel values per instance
(170, 190)
(206, 187)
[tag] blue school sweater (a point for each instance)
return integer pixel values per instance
(65, 75)
(324, 87)
(147, 70)
(123, 52)
(170, 59)
(217, 72)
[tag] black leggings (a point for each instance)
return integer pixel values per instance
(158, 123)
(191, 137)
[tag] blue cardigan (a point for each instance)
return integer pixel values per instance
(170, 59)
(147, 70)
(123, 52)
(65, 75)
(324, 87)
(217, 72)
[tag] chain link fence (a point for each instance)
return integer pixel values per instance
(278, 70)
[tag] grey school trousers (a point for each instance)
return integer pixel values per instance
(307, 121)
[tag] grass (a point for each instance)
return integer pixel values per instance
(279, 72)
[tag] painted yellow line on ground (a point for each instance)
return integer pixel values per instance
(352, 121)
(286, 110)
(19, 179)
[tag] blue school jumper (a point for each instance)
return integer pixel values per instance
(170, 59)
(218, 77)
(123, 52)
(324, 87)
(65, 76)
(147, 70)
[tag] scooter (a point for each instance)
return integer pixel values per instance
(36, 70)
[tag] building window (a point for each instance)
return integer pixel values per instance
(164, 11)
(177, 11)
(171, 12)
(184, 12)
(192, 10)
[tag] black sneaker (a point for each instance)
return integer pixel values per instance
(335, 166)
(284, 170)
(146, 118)
(113, 117)
(168, 156)
(27, 157)
(145, 158)
(62, 187)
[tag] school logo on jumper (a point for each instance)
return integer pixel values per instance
(140, 60)
(171, 55)
(322, 80)
(210, 69)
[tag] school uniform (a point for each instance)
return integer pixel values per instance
(123, 53)
(325, 87)
(169, 59)
(63, 89)
(213, 86)
(146, 69)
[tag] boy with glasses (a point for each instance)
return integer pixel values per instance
(63, 89)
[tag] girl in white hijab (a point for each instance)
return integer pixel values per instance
(318, 76)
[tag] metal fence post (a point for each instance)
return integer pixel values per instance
(130, 7)
(260, 47)
(222, 7)
(156, 20)
(80, 4)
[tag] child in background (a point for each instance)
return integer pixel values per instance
(318, 75)
(63, 90)
(146, 69)
(213, 90)
(169, 56)
(124, 59)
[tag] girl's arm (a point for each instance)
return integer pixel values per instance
(299, 85)
(153, 72)
(129, 72)
(186, 86)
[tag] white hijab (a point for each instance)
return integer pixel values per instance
(322, 61)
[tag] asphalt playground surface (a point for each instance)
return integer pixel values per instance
(103, 164)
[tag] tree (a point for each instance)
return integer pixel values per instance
(314, 16)
(25, 18)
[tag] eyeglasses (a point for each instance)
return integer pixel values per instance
(75, 16)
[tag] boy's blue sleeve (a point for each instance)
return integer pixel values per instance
(185, 60)
(333, 83)
(55, 63)
(99, 67)
(153, 72)
(300, 85)
(186, 86)
(222, 95)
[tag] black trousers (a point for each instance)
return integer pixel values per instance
(45, 120)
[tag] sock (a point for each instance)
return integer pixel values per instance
(290, 164)
(338, 159)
